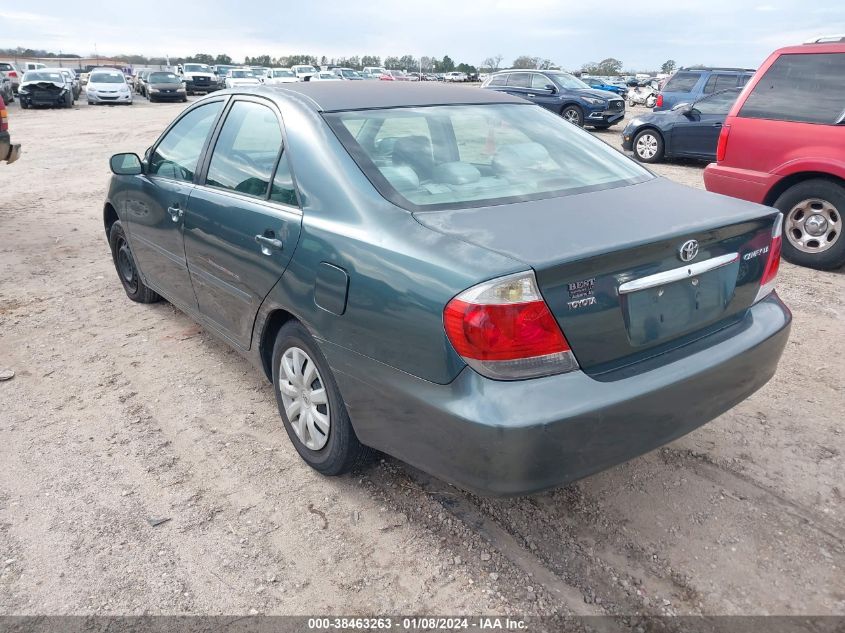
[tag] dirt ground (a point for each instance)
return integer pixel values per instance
(121, 414)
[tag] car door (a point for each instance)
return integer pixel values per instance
(519, 85)
(697, 133)
(243, 221)
(155, 207)
(543, 92)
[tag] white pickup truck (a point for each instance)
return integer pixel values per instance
(198, 78)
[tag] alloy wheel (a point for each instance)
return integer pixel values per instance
(304, 398)
(813, 225)
(646, 146)
(572, 117)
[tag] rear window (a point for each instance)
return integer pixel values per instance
(443, 157)
(808, 88)
(682, 82)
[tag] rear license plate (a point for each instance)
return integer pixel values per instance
(664, 312)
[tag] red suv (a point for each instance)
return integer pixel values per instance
(783, 144)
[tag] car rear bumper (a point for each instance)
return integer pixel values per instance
(9, 152)
(737, 183)
(506, 438)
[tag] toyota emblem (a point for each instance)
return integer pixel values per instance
(688, 250)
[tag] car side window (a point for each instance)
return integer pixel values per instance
(498, 80)
(519, 80)
(682, 82)
(282, 189)
(803, 87)
(718, 103)
(540, 82)
(246, 150)
(177, 154)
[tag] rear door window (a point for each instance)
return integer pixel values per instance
(682, 82)
(519, 80)
(808, 88)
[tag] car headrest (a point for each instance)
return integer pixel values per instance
(414, 151)
(400, 177)
(456, 173)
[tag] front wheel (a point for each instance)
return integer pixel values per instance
(310, 404)
(648, 146)
(573, 114)
(127, 270)
(812, 224)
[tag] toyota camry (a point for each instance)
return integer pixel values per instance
(453, 276)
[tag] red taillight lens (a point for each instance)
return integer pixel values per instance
(12, 73)
(503, 329)
(659, 101)
(722, 146)
(4, 120)
(770, 272)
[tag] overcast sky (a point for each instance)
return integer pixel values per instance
(641, 33)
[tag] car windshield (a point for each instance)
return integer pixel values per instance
(565, 80)
(197, 68)
(305, 69)
(164, 78)
(241, 74)
(440, 157)
(40, 75)
(349, 73)
(106, 78)
(283, 73)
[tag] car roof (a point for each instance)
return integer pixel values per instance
(820, 47)
(333, 97)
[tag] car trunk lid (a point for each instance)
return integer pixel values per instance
(609, 263)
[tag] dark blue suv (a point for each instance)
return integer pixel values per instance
(563, 94)
(690, 84)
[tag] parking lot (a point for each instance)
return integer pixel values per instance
(122, 415)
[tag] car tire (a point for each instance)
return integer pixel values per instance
(334, 450)
(821, 198)
(24, 105)
(648, 146)
(127, 269)
(184, 99)
(573, 114)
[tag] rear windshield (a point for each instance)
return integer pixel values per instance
(682, 82)
(808, 88)
(443, 157)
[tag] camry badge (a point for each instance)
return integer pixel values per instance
(688, 250)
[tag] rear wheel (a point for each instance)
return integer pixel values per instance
(310, 404)
(812, 224)
(127, 270)
(648, 146)
(573, 114)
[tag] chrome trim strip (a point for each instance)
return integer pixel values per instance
(677, 274)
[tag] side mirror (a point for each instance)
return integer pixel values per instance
(126, 165)
(551, 88)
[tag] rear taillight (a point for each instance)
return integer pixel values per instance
(722, 146)
(12, 73)
(659, 103)
(504, 330)
(4, 120)
(770, 272)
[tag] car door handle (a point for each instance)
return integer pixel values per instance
(268, 244)
(530, 95)
(175, 213)
(717, 125)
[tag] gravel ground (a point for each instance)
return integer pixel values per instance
(120, 415)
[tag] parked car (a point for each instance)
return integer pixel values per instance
(685, 131)
(198, 78)
(302, 71)
(72, 80)
(324, 75)
(599, 84)
(276, 76)
(348, 74)
(138, 80)
(12, 73)
(241, 77)
(455, 76)
(26, 66)
(563, 94)
(9, 152)
(690, 84)
(373, 72)
(394, 75)
(6, 90)
(782, 145)
(107, 85)
(45, 88)
(165, 86)
(416, 273)
(259, 72)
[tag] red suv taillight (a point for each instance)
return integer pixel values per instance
(504, 330)
(4, 118)
(770, 272)
(12, 73)
(722, 146)
(659, 103)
